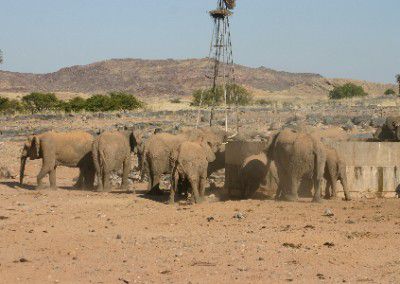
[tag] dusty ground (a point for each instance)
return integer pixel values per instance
(68, 236)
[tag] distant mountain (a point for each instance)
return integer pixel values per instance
(150, 78)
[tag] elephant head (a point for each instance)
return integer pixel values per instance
(209, 151)
(31, 150)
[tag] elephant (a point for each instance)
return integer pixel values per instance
(297, 156)
(335, 169)
(158, 148)
(71, 149)
(253, 174)
(111, 152)
(390, 131)
(190, 162)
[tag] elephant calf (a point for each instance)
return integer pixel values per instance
(335, 170)
(253, 174)
(111, 152)
(71, 149)
(190, 163)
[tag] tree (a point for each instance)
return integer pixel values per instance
(236, 95)
(348, 90)
(390, 92)
(398, 81)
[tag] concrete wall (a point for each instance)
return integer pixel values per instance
(373, 169)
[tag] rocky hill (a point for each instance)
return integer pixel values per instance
(150, 78)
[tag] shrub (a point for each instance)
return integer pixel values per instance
(390, 92)
(36, 102)
(348, 90)
(112, 102)
(77, 104)
(123, 101)
(236, 94)
(10, 106)
(263, 102)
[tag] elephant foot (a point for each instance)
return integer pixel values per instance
(317, 200)
(40, 187)
(289, 198)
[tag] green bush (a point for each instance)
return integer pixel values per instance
(36, 102)
(236, 94)
(390, 92)
(77, 104)
(10, 106)
(348, 90)
(123, 101)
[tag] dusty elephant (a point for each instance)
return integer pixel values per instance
(111, 152)
(72, 149)
(253, 174)
(158, 148)
(297, 156)
(390, 131)
(335, 170)
(190, 162)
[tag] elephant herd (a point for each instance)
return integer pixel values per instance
(190, 156)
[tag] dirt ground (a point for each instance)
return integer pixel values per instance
(69, 236)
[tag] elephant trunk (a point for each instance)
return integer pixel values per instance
(22, 169)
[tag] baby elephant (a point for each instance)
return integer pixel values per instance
(111, 152)
(335, 170)
(190, 162)
(253, 174)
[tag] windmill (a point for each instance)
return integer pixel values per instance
(221, 56)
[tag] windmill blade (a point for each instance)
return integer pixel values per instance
(230, 4)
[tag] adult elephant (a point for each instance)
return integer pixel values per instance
(390, 131)
(158, 148)
(72, 149)
(335, 170)
(297, 156)
(111, 152)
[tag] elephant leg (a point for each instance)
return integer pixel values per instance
(52, 179)
(202, 187)
(125, 174)
(327, 189)
(155, 184)
(317, 189)
(194, 182)
(292, 195)
(106, 181)
(334, 189)
(43, 172)
(174, 187)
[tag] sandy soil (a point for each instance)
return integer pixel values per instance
(68, 236)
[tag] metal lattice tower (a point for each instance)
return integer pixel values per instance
(222, 71)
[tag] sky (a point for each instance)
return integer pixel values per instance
(356, 39)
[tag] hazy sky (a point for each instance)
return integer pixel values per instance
(336, 38)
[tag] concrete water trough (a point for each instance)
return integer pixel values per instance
(373, 168)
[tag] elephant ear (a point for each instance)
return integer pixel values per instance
(210, 155)
(35, 146)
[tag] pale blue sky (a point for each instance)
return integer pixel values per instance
(336, 38)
